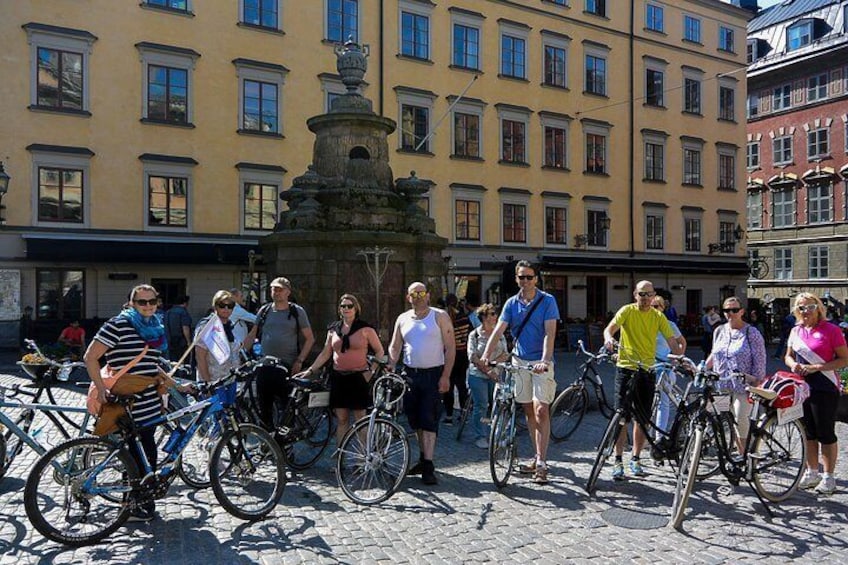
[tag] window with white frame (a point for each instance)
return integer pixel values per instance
(513, 125)
(467, 218)
(818, 261)
(818, 143)
(751, 53)
(596, 226)
(692, 233)
(62, 186)
(466, 40)
(555, 149)
(167, 83)
(513, 50)
(654, 81)
(654, 18)
(654, 144)
(595, 68)
(514, 222)
(342, 20)
(726, 103)
(260, 188)
(556, 223)
(415, 29)
(799, 34)
(168, 190)
(331, 88)
(467, 122)
(781, 97)
(261, 13)
(59, 67)
(597, 7)
(817, 87)
(755, 209)
(415, 110)
(727, 234)
(692, 79)
(654, 229)
(752, 155)
(260, 96)
(554, 60)
(783, 263)
(753, 107)
(819, 202)
(691, 29)
(782, 150)
(726, 168)
(596, 136)
(692, 164)
(783, 208)
(176, 5)
(725, 39)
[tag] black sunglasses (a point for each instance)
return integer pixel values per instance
(525, 277)
(644, 294)
(731, 310)
(227, 305)
(346, 306)
(146, 301)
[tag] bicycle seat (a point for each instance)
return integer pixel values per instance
(308, 384)
(763, 393)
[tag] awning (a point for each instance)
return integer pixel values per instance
(723, 266)
(117, 251)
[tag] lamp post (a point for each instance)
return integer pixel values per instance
(373, 257)
(4, 187)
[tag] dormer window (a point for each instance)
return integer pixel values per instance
(799, 34)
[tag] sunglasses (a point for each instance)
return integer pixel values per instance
(731, 310)
(806, 308)
(644, 294)
(346, 306)
(657, 306)
(492, 314)
(226, 305)
(146, 301)
(525, 277)
(418, 293)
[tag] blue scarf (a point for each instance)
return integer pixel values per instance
(150, 329)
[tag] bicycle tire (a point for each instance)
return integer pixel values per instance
(193, 464)
(45, 479)
(235, 466)
(502, 444)
(686, 476)
(464, 415)
(710, 463)
(778, 457)
(372, 477)
(567, 411)
(605, 449)
(312, 428)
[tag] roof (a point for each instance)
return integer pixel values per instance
(786, 10)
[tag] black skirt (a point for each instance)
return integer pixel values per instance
(348, 389)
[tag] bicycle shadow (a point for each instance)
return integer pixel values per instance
(11, 484)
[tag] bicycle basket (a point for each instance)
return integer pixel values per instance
(35, 371)
(226, 394)
(790, 388)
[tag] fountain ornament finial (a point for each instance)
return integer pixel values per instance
(351, 62)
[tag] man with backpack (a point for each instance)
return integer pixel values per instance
(178, 327)
(283, 331)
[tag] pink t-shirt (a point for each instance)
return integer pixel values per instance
(355, 356)
(819, 341)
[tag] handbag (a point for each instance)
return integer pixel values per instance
(109, 378)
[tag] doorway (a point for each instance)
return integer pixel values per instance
(596, 298)
(169, 290)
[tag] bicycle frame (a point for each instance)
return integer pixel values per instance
(48, 410)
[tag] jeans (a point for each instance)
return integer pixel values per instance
(481, 389)
(664, 404)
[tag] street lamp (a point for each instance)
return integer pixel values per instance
(4, 187)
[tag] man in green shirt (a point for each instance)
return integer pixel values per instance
(639, 324)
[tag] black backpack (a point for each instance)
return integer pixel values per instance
(262, 315)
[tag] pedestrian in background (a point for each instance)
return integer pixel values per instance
(178, 327)
(482, 378)
(459, 374)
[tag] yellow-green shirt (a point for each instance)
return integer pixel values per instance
(639, 335)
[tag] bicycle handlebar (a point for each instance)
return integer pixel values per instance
(601, 355)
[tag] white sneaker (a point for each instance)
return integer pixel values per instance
(810, 480)
(827, 485)
(482, 443)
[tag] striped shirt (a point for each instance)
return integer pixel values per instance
(124, 343)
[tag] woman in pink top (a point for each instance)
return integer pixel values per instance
(348, 341)
(815, 350)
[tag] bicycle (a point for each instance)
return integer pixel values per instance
(503, 447)
(464, 415)
(48, 368)
(373, 456)
(84, 489)
(570, 405)
(774, 454)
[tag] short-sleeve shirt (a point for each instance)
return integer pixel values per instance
(822, 340)
(280, 332)
(639, 331)
(72, 334)
(663, 350)
(530, 343)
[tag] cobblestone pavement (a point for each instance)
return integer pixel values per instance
(464, 518)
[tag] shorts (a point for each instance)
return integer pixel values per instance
(820, 416)
(423, 403)
(530, 386)
(348, 389)
(643, 383)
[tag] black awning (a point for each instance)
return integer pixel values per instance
(722, 266)
(106, 251)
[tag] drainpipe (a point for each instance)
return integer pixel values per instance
(382, 50)
(632, 132)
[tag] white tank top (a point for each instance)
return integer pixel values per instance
(423, 347)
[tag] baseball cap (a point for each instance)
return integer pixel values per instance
(281, 282)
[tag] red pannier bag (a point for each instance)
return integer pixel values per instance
(791, 389)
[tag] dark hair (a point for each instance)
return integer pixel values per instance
(526, 265)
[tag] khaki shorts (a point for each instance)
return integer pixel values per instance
(530, 386)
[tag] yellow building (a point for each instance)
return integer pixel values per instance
(149, 141)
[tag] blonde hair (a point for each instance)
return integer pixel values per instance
(658, 300)
(222, 295)
(809, 296)
(735, 299)
(484, 309)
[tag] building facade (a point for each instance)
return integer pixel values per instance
(797, 152)
(150, 142)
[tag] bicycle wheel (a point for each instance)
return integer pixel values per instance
(502, 444)
(710, 463)
(12, 444)
(312, 430)
(605, 449)
(464, 416)
(64, 498)
(193, 464)
(686, 475)
(370, 477)
(567, 411)
(778, 457)
(248, 472)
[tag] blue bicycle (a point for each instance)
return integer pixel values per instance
(84, 489)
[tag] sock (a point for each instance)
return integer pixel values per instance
(635, 458)
(421, 456)
(826, 475)
(618, 458)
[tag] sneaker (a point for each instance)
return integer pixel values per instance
(448, 421)
(428, 474)
(618, 472)
(141, 515)
(541, 476)
(810, 479)
(482, 443)
(527, 468)
(636, 468)
(416, 469)
(827, 485)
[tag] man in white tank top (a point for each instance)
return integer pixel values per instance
(424, 336)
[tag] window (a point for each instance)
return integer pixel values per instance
(181, 5)
(597, 7)
(782, 150)
(691, 29)
(596, 228)
(342, 20)
(692, 234)
(466, 46)
(781, 98)
(60, 294)
(725, 39)
(555, 147)
(555, 65)
(654, 18)
(654, 165)
(783, 208)
(783, 263)
(755, 209)
(654, 231)
(726, 236)
(466, 135)
(513, 56)
(726, 106)
(818, 261)
(596, 75)
(415, 35)
(819, 202)
(726, 172)
(692, 166)
(653, 87)
(414, 123)
(260, 206)
(751, 52)
(468, 220)
(799, 34)
(260, 100)
(261, 13)
(59, 68)
(168, 197)
(752, 160)
(513, 141)
(556, 225)
(596, 150)
(514, 223)
(167, 83)
(692, 96)
(60, 193)
(817, 87)
(818, 144)
(753, 107)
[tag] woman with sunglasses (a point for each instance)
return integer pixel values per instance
(738, 348)
(348, 342)
(208, 367)
(816, 350)
(482, 378)
(122, 339)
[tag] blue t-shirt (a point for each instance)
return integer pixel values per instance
(531, 340)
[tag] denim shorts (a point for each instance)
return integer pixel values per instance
(423, 403)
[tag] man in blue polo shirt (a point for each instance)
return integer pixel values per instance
(534, 343)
